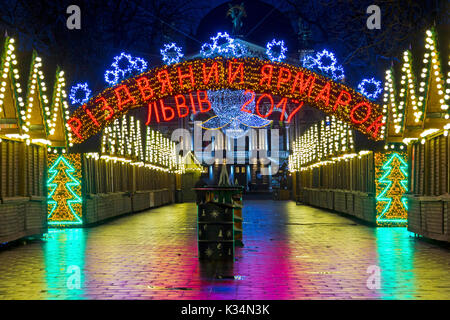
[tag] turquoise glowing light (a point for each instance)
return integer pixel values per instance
(69, 185)
(387, 166)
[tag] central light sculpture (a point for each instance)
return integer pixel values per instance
(227, 105)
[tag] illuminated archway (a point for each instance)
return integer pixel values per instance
(187, 83)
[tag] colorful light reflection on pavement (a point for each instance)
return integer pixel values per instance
(291, 252)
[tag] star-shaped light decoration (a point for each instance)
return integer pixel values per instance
(370, 88)
(111, 77)
(325, 63)
(123, 64)
(140, 65)
(276, 50)
(171, 53)
(223, 45)
(227, 105)
(79, 94)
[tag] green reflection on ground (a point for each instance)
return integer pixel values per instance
(65, 251)
(395, 259)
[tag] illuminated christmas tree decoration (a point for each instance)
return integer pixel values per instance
(276, 50)
(64, 190)
(171, 53)
(391, 174)
(123, 64)
(371, 88)
(111, 77)
(79, 94)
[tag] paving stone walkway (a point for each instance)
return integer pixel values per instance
(291, 252)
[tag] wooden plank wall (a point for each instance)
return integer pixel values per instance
(429, 199)
(23, 208)
(22, 169)
(430, 167)
(346, 186)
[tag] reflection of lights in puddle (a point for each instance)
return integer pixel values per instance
(168, 288)
(230, 277)
(323, 272)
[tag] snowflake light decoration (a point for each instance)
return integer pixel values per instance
(323, 57)
(309, 62)
(207, 50)
(111, 77)
(123, 64)
(79, 94)
(223, 45)
(140, 65)
(338, 73)
(171, 53)
(371, 88)
(276, 50)
(325, 63)
(234, 122)
(239, 50)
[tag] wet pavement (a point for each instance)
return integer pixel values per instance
(291, 252)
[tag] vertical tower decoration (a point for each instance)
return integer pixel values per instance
(391, 174)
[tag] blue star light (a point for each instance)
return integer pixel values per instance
(171, 53)
(276, 50)
(79, 94)
(370, 88)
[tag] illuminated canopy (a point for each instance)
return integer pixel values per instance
(189, 81)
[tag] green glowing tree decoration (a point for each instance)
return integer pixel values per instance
(63, 201)
(392, 206)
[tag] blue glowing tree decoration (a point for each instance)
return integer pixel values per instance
(171, 53)
(325, 63)
(223, 45)
(79, 94)
(371, 88)
(276, 50)
(124, 66)
(227, 105)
